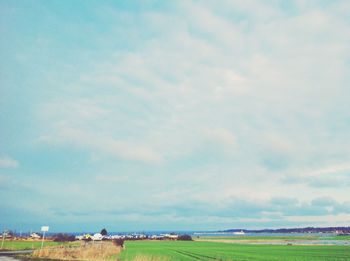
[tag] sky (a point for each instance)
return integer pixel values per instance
(174, 115)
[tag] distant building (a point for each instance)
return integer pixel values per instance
(35, 236)
(97, 237)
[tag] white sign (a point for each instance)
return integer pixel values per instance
(45, 228)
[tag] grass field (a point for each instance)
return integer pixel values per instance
(196, 250)
(200, 250)
(21, 245)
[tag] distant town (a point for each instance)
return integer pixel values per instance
(336, 230)
(103, 235)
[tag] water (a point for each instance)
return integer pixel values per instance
(323, 238)
(230, 234)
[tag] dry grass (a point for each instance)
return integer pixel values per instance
(89, 251)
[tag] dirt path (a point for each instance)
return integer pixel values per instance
(15, 252)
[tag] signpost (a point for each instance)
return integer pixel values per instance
(44, 229)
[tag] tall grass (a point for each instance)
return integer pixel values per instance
(90, 251)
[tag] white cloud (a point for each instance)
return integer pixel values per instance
(222, 136)
(249, 81)
(7, 162)
(128, 150)
(336, 172)
(112, 178)
(327, 170)
(322, 220)
(264, 85)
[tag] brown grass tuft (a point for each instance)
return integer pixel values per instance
(88, 251)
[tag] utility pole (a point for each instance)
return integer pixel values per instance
(42, 241)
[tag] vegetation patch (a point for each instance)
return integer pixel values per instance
(29, 244)
(88, 251)
(63, 238)
(195, 250)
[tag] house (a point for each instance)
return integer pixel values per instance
(35, 236)
(97, 237)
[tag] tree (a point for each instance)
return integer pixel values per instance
(185, 237)
(104, 232)
(63, 237)
(118, 242)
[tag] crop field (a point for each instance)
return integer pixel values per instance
(196, 250)
(201, 250)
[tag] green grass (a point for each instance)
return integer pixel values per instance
(337, 238)
(23, 245)
(196, 250)
(200, 250)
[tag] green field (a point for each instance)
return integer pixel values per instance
(23, 245)
(200, 250)
(196, 250)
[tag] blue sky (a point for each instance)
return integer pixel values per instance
(143, 115)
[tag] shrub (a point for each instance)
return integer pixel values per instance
(103, 232)
(63, 238)
(185, 237)
(118, 242)
(83, 252)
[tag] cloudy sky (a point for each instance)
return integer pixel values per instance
(143, 115)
